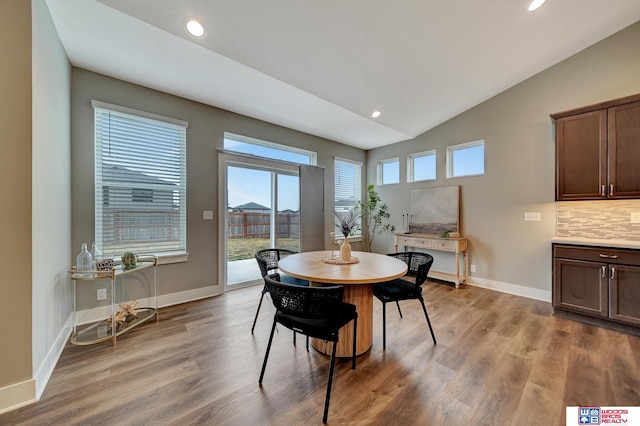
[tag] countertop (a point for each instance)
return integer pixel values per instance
(597, 242)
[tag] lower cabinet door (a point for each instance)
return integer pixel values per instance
(625, 293)
(581, 286)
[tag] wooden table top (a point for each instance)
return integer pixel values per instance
(372, 268)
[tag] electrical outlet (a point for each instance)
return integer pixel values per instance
(532, 216)
(473, 268)
(635, 217)
(207, 214)
(102, 294)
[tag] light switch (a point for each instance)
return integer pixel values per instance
(532, 216)
(207, 215)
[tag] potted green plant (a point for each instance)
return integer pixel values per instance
(376, 215)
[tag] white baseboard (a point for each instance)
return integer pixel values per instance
(44, 372)
(96, 314)
(18, 395)
(517, 290)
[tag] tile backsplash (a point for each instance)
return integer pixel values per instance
(598, 219)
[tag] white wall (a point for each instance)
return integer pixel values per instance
(51, 195)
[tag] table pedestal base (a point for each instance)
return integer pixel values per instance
(360, 295)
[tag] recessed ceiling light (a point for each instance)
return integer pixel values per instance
(194, 27)
(535, 4)
(375, 114)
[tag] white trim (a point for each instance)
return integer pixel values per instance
(380, 171)
(515, 289)
(411, 165)
(17, 395)
(101, 312)
(49, 362)
(144, 114)
(313, 155)
(449, 158)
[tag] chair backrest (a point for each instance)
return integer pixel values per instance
(268, 259)
(418, 264)
(304, 302)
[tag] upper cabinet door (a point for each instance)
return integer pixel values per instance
(624, 151)
(581, 156)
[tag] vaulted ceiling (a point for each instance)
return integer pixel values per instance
(322, 67)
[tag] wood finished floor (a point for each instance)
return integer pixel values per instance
(500, 360)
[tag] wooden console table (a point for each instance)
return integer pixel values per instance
(434, 242)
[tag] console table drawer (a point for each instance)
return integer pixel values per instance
(422, 243)
(443, 245)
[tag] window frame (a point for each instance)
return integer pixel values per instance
(380, 170)
(357, 235)
(411, 165)
(105, 189)
(458, 147)
(313, 156)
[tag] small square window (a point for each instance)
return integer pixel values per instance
(421, 166)
(466, 159)
(389, 171)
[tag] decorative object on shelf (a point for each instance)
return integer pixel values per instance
(346, 223)
(127, 314)
(96, 256)
(105, 264)
(129, 260)
(407, 220)
(445, 234)
(83, 260)
(376, 214)
(129, 308)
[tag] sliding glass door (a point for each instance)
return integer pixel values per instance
(262, 211)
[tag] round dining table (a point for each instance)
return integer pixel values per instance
(358, 280)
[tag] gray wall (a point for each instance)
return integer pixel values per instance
(15, 172)
(51, 193)
(519, 162)
(204, 136)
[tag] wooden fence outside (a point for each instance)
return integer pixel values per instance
(258, 225)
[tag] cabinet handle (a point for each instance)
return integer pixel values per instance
(602, 190)
(604, 271)
(613, 273)
(610, 190)
(604, 256)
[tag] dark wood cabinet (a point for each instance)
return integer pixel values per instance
(597, 281)
(597, 151)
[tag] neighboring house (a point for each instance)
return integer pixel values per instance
(250, 208)
(146, 192)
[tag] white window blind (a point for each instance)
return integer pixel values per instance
(347, 181)
(140, 182)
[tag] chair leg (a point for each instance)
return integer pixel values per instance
(399, 311)
(326, 401)
(424, 308)
(294, 338)
(258, 311)
(266, 355)
(307, 343)
(355, 339)
(384, 326)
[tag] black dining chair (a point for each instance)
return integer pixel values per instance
(405, 288)
(268, 262)
(317, 312)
